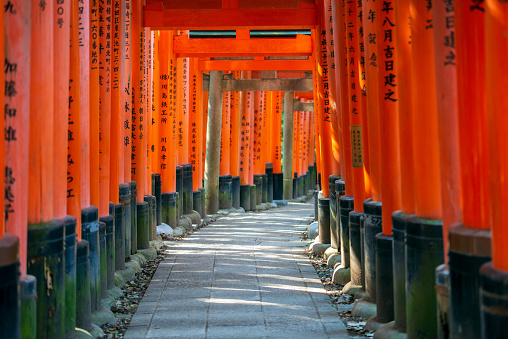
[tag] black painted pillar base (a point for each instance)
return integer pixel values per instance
(335, 240)
(245, 197)
(493, 302)
(109, 221)
(424, 252)
(152, 206)
(45, 253)
(264, 196)
(372, 226)
(316, 199)
(90, 233)
(235, 192)
(469, 250)
(346, 206)
(269, 182)
(103, 279)
(203, 199)
(28, 301)
(384, 278)
(324, 220)
(443, 301)
(10, 313)
(143, 220)
(312, 179)
(125, 199)
(253, 197)
(179, 190)
(70, 273)
(169, 209)
(355, 254)
(119, 237)
(258, 182)
(278, 186)
(158, 200)
(399, 268)
(83, 300)
(196, 202)
(134, 218)
(187, 189)
(225, 192)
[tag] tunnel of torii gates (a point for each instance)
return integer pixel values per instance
(122, 115)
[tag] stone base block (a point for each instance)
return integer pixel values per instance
(329, 252)
(389, 331)
(341, 275)
(333, 260)
(364, 309)
(350, 288)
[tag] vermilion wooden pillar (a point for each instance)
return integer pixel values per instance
(225, 154)
(105, 81)
(74, 156)
(40, 197)
(116, 106)
(61, 98)
(446, 89)
(245, 149)
(256, 133)
(17, 119)
(344, 97)
(165, 142)
(355, 107)
(372, 37)
(138, 115)
(235, 130)
(94, 104)
(84, 101)
(331, 35)
(128, 104)
(276, 131)
(472, 119)
(155, 122)
(204, 120)
(195, 132)
(425, 131)
(148, 108)
(182, 98)
(495, 274)
(388, 110)
(323, 94)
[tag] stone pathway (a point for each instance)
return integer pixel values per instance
(243, 276)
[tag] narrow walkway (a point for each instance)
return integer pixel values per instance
(243, 276)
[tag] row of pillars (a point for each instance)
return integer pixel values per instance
(414, 149)
(108, 135)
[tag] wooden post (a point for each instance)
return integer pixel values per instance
(40, 198)
(94, 104)
(182, 98)
(84, 101)
(355, 108)
(257, 134)
(344, 98)
(196, 83)
(235, 130)
(138, 114)
(446, 88)
(276, 131)
(61, 98)
(371, 41)
(245, 150)
(155, 122)
(388, 96)
(105, 80)
(128, 104)
(225, 156)
(116, 107)
(496, 23)
(288, 145)
(213, 135)
(74, 156)
(17, 118)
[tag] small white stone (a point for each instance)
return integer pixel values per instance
(165, 229)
